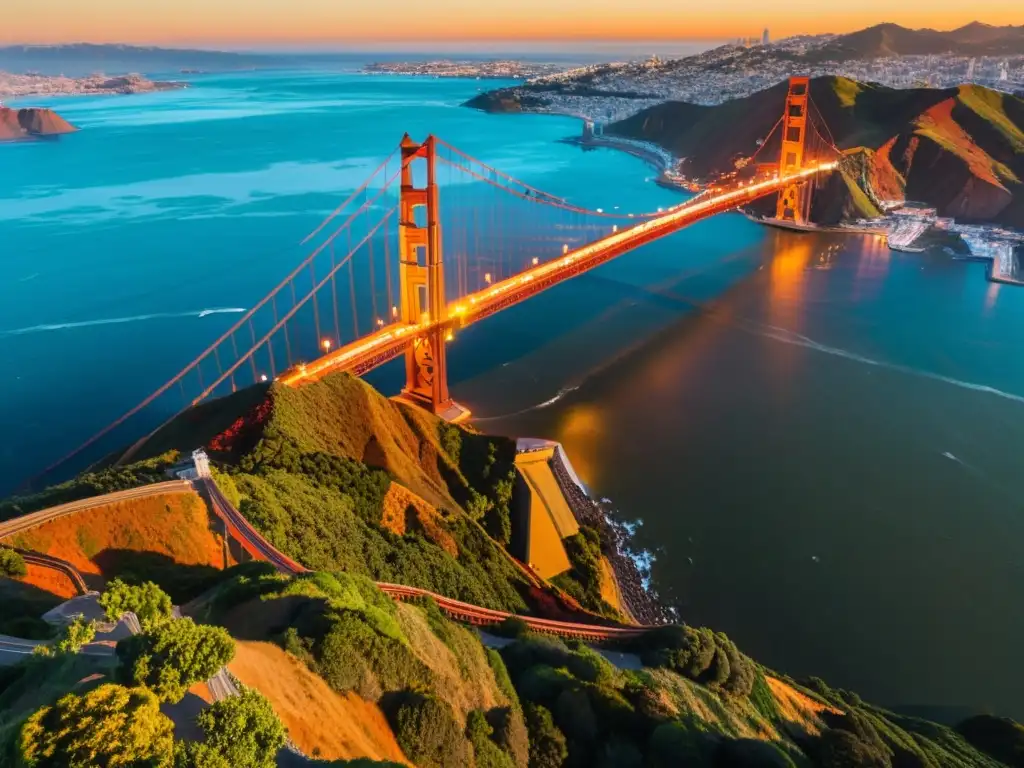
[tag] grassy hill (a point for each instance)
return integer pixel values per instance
(679, 697)
(169, 539)
(341, 478)
(885, 40)
(959, 149)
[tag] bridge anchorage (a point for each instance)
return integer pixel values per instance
(394, 273)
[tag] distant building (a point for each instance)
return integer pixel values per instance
(765, 37)
(970, 68)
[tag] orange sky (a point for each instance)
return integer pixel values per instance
(255, 23)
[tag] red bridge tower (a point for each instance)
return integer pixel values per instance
(794, 200)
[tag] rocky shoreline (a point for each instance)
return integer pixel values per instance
(631, 568)
(31, 124)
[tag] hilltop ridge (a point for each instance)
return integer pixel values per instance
(958, 149)
(887, 39)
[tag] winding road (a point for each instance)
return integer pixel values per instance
(260, 549)
(33, 519)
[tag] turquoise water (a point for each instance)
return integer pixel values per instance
(821, 437)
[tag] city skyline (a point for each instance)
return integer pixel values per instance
(321, 23)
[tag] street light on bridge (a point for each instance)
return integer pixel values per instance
(326, 344)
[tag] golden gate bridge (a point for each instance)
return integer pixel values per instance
(433, 241)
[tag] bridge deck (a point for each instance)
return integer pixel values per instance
(384, 345)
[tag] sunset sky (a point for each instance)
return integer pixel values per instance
(371, 23)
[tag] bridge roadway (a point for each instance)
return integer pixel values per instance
(377, 348)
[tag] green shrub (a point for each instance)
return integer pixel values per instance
(590, 666)
(451, 440)
(534, 649)
(547, 742)
(701, 655)
(510, 733)
(243, 730)
(575, 716)
(762, 698)
(173, 656)
(751, 753)
(583, 580)
(501, 677)
(428, 733)
(839, 748)
(12, 564)
(354, 654)
(108, 726)
(147, 601)
(485, 750)
(999, 737)
(686, 742)
(72, 637)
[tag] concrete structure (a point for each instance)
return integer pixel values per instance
(545, 516)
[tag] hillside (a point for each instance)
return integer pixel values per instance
(883, 40)
(960, 150)
(171, 539)
(339, 477)
(31, 123)
(345, 726)
(681, 697)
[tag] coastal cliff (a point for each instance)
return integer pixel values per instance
(31, 123)
(960, 150)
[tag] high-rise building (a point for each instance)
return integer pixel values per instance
(765, 37)
(970, 69)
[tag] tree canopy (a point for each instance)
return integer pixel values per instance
(147, 601)
(173, 656)
(108, 727)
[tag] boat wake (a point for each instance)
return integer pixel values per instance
(789, 337)
(538, 406)
(119, 320)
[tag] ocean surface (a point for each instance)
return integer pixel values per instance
(822, 438)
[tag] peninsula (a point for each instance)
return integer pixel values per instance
(20, 86)
(498, 69)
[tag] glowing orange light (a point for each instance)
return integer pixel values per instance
(326, 344)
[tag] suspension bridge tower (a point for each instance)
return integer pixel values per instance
(794, 203)
(421, 270)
